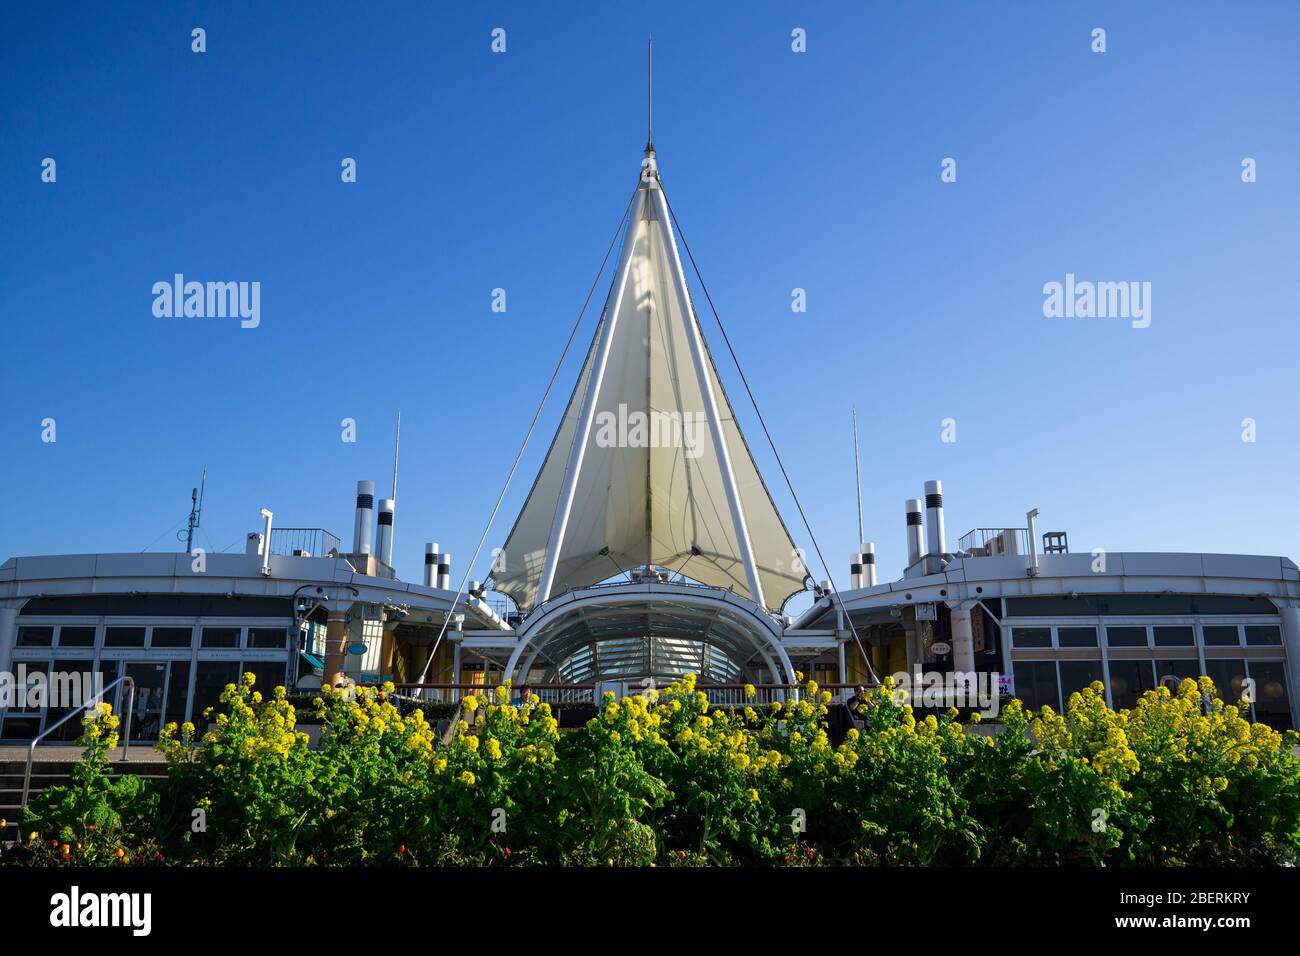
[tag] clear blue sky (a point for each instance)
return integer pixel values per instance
(816, 170)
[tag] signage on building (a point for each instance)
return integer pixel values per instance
(357, 647)
(926, 612)
(940, 648)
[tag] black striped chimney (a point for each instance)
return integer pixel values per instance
(868, 557)
(444, 571)
(384, 531)
(915, 531)
(934, 517)
(431, 564)
(365, 515)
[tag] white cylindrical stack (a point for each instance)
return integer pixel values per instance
(934, 516)
(444, 571)
(915, 531)
(868, 561)
(431, 565)
(361, 531)
(384, 531)
(855, 571)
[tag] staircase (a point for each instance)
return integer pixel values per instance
(52, 772)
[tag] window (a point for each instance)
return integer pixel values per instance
(1228, 677)
(23, 722)
(1031, 637)
(1180, 636)
(269, 674)
(276, 638)
(210, 680)
(1036, 684)
(83, 681)
(1177, 671)
(1221, 635)
(178, 692)
(220, 637)
(35, 636)
(1129, 680)
(1076, 675)
(172, 637)
(1262, 634)
(1272, 705)
(76, 637)
(124, 637)
(1126, 636)
(1076, 636)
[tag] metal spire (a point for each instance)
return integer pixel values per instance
(650, 95)
(857, 474)
(397, 445)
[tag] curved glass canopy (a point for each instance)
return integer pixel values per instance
(662, 639)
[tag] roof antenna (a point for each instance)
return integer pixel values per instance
(857, 471)
(397, 445)
(196, 513)
(650, 95)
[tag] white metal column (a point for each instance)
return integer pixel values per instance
(711, 409)
(564, 506)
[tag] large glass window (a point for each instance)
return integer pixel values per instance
(1221, 635)
(178, 691)
(35, 636)
(1174, 672)
(1129, 680)
(269, 674)
(74, 675)
(23, 722)
(1036, 684)
(172, 637)
(1126, 636)
(1031, 637)
(1263, 634)
(1272, 703)
(209, 680)
(150, 681)
(1076, 636)
(220, 637)
(76, 636)
(1076, 675)
(271, 638)
(1228, 677)
(124, 637)
(1179, 636)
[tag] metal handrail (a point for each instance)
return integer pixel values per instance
(94, 701)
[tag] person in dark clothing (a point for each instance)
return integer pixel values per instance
(859, 699)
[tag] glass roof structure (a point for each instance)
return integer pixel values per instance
(661, 638)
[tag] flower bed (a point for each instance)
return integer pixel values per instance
(1183, 778)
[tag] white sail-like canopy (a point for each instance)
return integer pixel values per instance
(663, 467)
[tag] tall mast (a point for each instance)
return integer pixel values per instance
(650, 95)
(397, 446)
(857, 473)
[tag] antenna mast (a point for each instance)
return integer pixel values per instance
(397, 445)
(650, 95)
(857, 473)
(196, 512)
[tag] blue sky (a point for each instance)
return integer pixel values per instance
(817, 170)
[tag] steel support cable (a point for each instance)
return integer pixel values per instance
(771, 442)
(523, 446)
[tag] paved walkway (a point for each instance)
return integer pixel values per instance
(71, 753)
